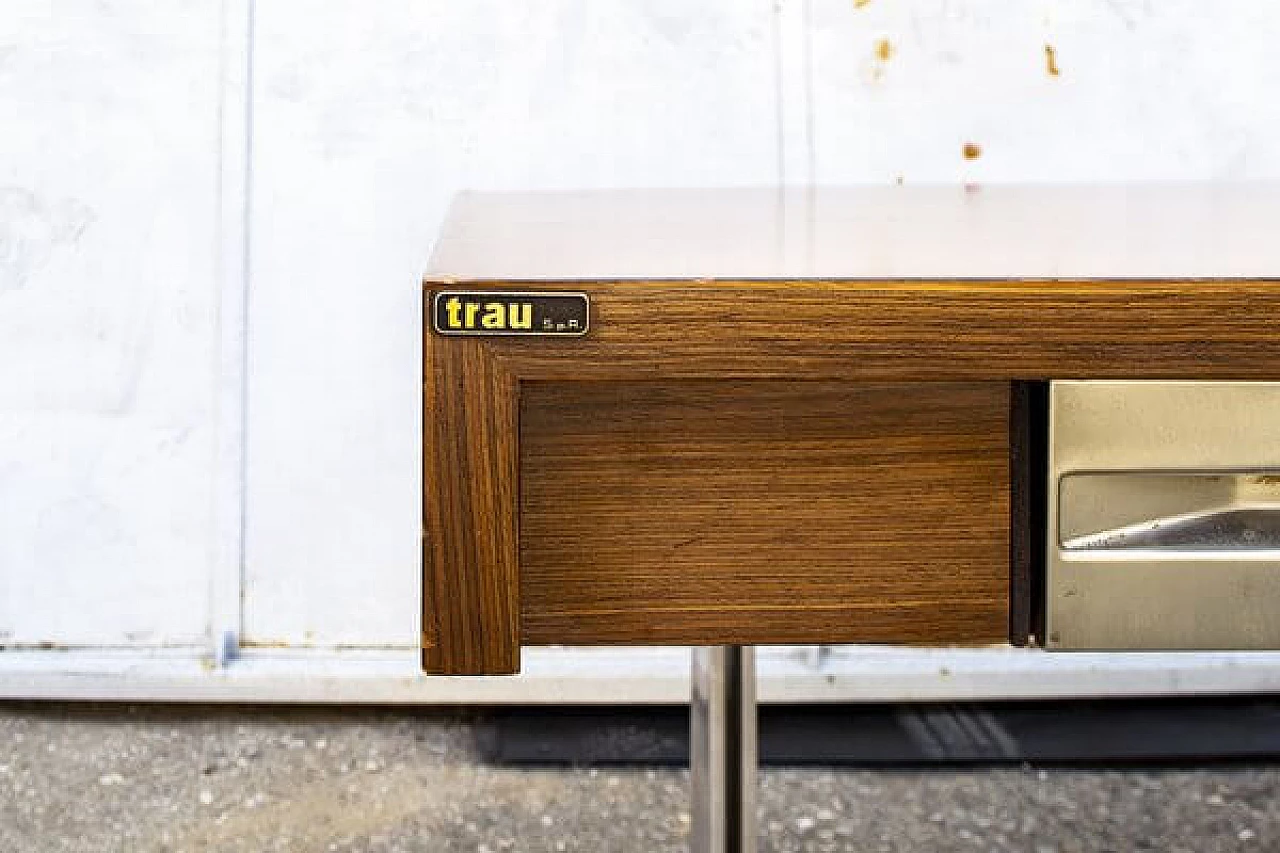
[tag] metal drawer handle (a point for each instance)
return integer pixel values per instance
(1215, 511)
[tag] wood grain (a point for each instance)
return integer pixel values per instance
(470, 467)
(764, 512)
(852, 332)
(915, 330)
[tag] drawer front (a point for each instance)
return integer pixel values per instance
(1164, 515)
(764, 512)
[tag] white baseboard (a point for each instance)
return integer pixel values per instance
(618, 676)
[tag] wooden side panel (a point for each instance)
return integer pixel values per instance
(470, 554)
(764, 512)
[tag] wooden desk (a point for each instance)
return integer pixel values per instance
(786, 423)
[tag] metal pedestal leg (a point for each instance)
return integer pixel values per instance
(723, 757)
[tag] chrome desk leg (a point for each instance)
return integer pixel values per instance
(722, 756)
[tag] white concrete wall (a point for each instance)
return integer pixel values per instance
(109, 145)
(214, 215)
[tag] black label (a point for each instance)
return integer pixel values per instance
(472, 312)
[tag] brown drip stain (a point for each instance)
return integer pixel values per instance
(884, 50)
(1051, 60)
(972, 151)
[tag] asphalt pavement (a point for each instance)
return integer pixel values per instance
(124, 778)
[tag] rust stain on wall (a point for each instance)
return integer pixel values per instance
(884, 50)
(1051, 60)
(972, 151)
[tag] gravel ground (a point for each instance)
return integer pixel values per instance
(167, 779)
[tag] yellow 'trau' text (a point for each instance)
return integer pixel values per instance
(491, 315)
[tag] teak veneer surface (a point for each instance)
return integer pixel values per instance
(764, 512)
(872, 366)
(910, 331)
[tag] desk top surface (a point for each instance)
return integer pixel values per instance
(1120, 231)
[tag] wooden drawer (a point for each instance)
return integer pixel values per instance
(764, 512)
